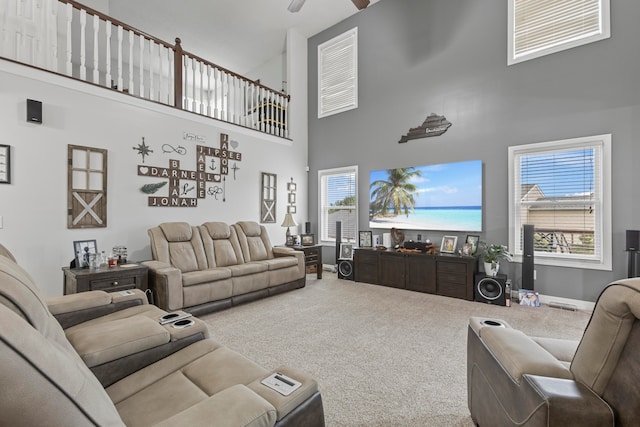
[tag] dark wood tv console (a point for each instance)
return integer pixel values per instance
(448, 275)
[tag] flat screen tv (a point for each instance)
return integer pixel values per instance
(445, 197)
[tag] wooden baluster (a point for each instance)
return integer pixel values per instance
(201, 72)
(131, 88)
(261, 109)
(171, 79)
(83, 49)
(232, 99)
(96, 27)
(185, 104)
(216, 83)
(285, 124)
(120, 71)
(209, 90)
(151, 89)
(69, 35)
(193, 86)
(107, 76)
(161, 91)
(141, 39)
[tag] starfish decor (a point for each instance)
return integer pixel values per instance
(143, 149)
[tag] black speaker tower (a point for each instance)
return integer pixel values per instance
(34, 111)
(527, 256)
(338, 239)
(633, 247)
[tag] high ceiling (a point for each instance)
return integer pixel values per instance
(239, 35)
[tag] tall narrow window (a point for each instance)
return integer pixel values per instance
(562, 188)
(338, 74)
(338, 202)
(542, 27)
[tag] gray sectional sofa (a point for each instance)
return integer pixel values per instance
(214, 266)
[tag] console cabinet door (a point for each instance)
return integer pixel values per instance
(455, 278)
(366, 266)
(391, 271)
(421, 273)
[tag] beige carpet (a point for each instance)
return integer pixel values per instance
(381, 356)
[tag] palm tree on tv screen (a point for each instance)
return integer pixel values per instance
(395, 193)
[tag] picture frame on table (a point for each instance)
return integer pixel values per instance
(448, 245)
(473, 240)
(365, 239)
(84, 251)
(307, 239)
(346, 251)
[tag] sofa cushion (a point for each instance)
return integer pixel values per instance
(177, 231)
(205, 276)
(249, 268)
(221, 244)
(109, 341)
(254, 241)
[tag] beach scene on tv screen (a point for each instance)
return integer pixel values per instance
(445, 197)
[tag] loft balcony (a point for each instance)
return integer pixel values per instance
(70, 39)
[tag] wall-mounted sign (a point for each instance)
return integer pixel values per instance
(187, 186)
(433, 125)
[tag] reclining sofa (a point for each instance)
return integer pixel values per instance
(516, 380)
(214, 266)
(49, 377)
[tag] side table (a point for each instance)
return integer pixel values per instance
(312, 256)
(110, 279)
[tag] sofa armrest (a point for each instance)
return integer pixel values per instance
(73, 309)
(520, 355)
(166, 283)
(568, 402)
(282, 251)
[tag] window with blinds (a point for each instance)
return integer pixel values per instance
(542, 27)
(338, 74)
(562, 189)
(338, 202)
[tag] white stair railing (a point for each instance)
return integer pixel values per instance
(135, 63)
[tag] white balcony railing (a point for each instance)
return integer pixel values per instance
(68, 38)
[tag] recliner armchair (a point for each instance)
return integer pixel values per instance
(513, 379)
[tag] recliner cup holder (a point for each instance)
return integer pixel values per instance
(184, 323)
(495, 323)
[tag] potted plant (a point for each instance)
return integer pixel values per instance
(491, 256)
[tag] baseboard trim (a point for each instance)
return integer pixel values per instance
(567, 302)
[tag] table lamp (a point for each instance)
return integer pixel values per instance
(289, 222)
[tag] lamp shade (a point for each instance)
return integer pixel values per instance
(289, 221)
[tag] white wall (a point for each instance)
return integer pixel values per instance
(33, 206)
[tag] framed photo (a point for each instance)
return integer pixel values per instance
(291, 209)
(291, 186)
(346, 251)
(473, 241)
(365, 239)
(467, 249)
(449, 244)
(307, 239)
(292, 197)
(5, 164)
(84, 251)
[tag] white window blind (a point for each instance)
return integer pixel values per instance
(338, 202)
(559, 188)
(338, 74)
(541, 27)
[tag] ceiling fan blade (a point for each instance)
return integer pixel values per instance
(296, 5)
(361, 4)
